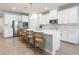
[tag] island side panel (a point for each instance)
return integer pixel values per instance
(48, 43)
(56, 41)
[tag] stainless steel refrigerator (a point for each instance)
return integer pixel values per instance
(16, 25)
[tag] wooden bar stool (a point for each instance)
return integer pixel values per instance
(39, 41)
(30, 37)
(24, 36)
(19, 32)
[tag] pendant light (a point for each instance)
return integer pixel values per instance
(40, 11)
(30, 10)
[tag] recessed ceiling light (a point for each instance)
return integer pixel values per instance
(25, 6)
(14, 8)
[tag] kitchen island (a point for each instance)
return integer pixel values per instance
(52, 40)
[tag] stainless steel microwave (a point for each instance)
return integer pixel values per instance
(55, 21)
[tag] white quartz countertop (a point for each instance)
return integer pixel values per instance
(50, 32)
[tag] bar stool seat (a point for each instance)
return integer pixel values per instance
(38, 40)
(22, 35)
(30, 36)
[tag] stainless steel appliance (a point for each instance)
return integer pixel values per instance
(54, 21)
(25, 25)
(16, 25)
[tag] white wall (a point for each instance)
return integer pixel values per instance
(1, 24)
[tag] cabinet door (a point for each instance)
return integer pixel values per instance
(66, 17)
(53, 14)
(73, 20)
(44, 19)
(63, 17)
(60, 17)
(8, 32)
(24, 18)
(73, 15)
(33, 23)
(69, 15)
(73, 37)
(8, 18)
(64, 35)
(16, 17)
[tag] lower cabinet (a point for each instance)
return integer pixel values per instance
(64, 35)
(8, 32)
(70, 36)
(73, 37)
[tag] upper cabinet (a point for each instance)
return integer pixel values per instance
(44, 19)
(68, 16)
(16, 17)
(33, 21)
(63, 17)
(53, 14)
(8, 18)
(25, 18)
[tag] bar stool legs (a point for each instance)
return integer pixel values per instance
(34, 45)
(28, 42)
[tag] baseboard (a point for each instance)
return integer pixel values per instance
(69, 42)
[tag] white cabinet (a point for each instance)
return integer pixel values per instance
(60, 17)
(8, 32)
(25, 18)
(68, 16)
(8, 18)
(73, 15)
(73, 37)
(53, 14)
(44, 19)
(18, 18)
(33, 21)
(63, 17)
(64, 35)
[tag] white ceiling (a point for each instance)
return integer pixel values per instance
(35, 7)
